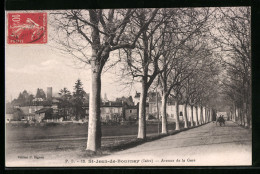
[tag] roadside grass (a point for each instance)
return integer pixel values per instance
(38, 139)
(135, 142)
(72, 130)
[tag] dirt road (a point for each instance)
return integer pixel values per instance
(206, 145)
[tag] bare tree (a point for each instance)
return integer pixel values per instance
(99, 32)
(183, 26)
(234, 37)
(143, 61)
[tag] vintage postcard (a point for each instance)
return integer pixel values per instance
(128, 87)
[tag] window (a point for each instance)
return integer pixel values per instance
(130, 111)
(181, 114)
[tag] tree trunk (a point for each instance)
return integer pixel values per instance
(64, 113)
(164, 114)
(246, 115)
(177, 115)
(94, 125)
(240, 117)
(207, 115)
(249, 116)
(210, 115)
(197, 116)
(201, 114)
(142, 113)
(235, 113)
(191, 120)
(185, 116)
(208, 111)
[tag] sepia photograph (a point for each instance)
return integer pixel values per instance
(128, 87)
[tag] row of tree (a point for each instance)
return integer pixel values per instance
(233, 37)
(172, 50)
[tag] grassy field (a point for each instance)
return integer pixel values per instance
(49, 131)
(66, 141)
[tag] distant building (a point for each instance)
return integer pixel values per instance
(44, 113)
(131, 113)
(30, 112)
(128, 100)
(152, 100)
(14, 114)
(49, 93)
(37, 101)
(115, 111)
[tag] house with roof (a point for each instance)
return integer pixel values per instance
(136, 100)
(29, 111)
(154, 98)
(112, 111)
(38, 110)
(115, 111)
(131, 113)
(13, 114)
(43, 113)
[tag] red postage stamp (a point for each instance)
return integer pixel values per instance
(26, 28)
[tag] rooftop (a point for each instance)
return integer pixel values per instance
(44, 110)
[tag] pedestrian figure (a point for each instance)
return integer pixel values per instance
(223, 120)
(220, 120)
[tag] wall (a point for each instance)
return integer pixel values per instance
(30, 109)
(107, 113)
(131, 114)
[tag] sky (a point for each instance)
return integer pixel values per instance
(32, 66)
(28, 67)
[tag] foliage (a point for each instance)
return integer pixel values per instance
(234, 39)
(24, 99)
(64, 102)
(128, 100)
(78, 99)
(40, 94)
